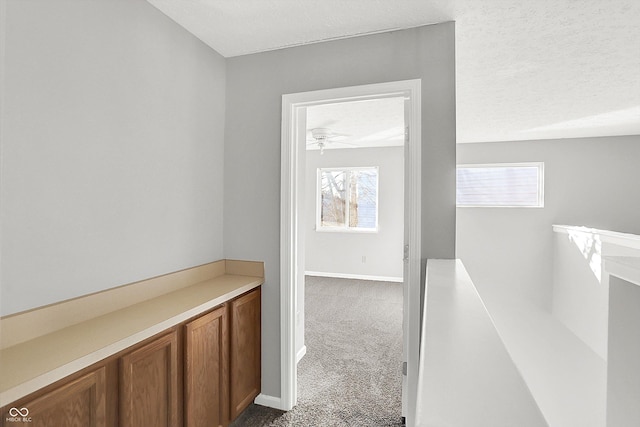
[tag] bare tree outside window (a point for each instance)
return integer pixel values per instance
(348, 198)
(333, 199)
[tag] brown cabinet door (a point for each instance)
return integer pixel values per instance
(244, 351)
(79, 403)
(149, 384)
(207, 370)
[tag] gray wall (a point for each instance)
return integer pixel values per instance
(342, 252)
(590, 182)
(112, 148)
(255, 85)
(623, 370)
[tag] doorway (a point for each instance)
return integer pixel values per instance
(294, 135)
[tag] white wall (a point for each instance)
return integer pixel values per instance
(341, 253)
(112, 148)
(580, 297)
(588, 181)
(581, 284)
(255, 87)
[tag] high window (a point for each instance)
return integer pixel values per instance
(500, 185)
(347, 199)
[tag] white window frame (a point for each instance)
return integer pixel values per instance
(538, 165)
(346, 229)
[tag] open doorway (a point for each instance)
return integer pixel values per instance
(294, 140)
(350, 299)
(354, 189)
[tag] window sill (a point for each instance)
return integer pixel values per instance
(346, 230)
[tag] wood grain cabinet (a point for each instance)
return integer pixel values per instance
(245, 350)
(79, 403)
(222, 362)
(206, 375)
(149, 384)
(202, 373)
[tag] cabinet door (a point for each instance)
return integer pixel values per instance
(79, 403)
(149, 384)
(207, 370)
(244, 351)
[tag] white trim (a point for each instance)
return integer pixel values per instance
(269, 401)
(288, 253)
(614, 237)
(354, 276)
(625, 268)
(499, 165)
(347, 230)
(293, 105)
(413, 237)
(301, 353)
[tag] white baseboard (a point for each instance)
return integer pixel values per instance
(354, 276)
(301, 353)
(269, 401)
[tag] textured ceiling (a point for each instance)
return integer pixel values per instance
(524, 69)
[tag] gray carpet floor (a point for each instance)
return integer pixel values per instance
(352, 373)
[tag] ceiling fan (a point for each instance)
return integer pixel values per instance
(324, 136)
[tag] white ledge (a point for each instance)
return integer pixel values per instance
(466, 376)
(623, 239)
(624, 267)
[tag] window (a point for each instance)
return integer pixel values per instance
(500, 185)
(347, 199)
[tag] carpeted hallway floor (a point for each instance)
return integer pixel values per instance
(352, 372)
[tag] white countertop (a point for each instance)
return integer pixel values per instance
(31, 365)
(466, 376)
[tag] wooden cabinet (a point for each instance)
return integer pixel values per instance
(244, 350)
(149, 387)
(208, 367)
(222, 362)
(207, 370)
(79, 403)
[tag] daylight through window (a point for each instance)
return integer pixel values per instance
(500, 185)
(348, 199)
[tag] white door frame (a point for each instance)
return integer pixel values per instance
(291, 218)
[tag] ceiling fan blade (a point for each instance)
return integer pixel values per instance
(337, 138)
(338, 134)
